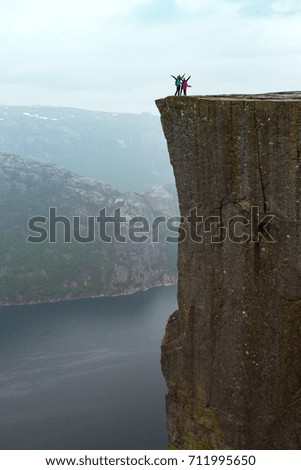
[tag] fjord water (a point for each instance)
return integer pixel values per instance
(84, 374)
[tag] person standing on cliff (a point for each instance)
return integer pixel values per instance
(185, 85)
(178, 83)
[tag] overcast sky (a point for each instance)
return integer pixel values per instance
(117, 55)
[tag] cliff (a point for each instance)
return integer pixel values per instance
(66, 269)
(231, 355)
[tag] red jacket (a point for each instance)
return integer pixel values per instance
(185, 83)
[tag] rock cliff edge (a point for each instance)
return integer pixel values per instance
(231, 355)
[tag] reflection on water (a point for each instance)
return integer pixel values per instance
(84, 374)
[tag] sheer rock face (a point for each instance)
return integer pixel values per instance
(231, 355)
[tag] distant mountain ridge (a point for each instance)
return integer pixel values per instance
(39, 272)
(128, 151)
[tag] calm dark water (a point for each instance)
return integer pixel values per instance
(84, 374)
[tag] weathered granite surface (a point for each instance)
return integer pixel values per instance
(231, 355)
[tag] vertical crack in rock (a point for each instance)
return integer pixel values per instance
(260, 167)
(231, 355)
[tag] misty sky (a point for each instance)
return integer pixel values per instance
(117, 55)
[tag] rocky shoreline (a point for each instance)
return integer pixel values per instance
(129, 292)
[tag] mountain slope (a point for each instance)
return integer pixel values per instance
(126, 150)
(31, 271)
